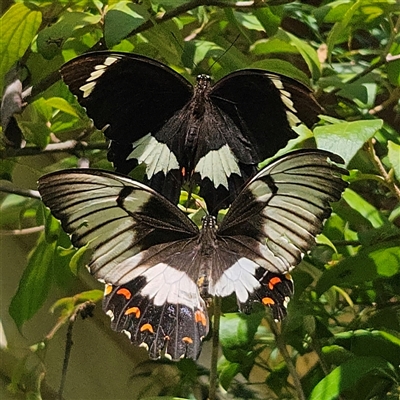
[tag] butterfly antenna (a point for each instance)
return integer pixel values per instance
(182, 48)
(230, 46)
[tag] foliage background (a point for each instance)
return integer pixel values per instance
(341, 338)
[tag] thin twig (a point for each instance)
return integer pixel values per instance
(34, 194)
(215, 349)
(388, 179)
(25, 231)
(69, 146)
(288, 360)
(68, 345)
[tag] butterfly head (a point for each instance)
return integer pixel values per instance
(203, 82)
(209, 222)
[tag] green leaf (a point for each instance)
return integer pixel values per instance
(52, 228)
(80, 258)
(270, 46)
(393, 65)
(308, 53)
(378, 261)
(61, 104)
(371, 343)
(348, 374)
(269, 21)
(50, 40)
(341, 28)
(282, 67)
(121, 19)
(394, 158)
(35, 283)
(18, 28)
(227, 371)
(346, 138)
(367, 210)
(238, 330)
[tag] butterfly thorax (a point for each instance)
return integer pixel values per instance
(208, 242)
(197, 109)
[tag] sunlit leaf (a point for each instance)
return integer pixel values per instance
(18, 28)
(35, 283)
(348, 374)
(346, 138)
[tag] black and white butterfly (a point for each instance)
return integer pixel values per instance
(158, 266)
(210, 135)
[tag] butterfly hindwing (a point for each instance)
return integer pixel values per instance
(213, 136)
(173, 327)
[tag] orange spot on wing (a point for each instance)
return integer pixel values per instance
(187, 340)
(107, 289)
(199, 316)
(133, 310)
(267, 301)
(273, 282)
(147, 327)
(125, 292)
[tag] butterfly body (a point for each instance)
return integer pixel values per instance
(158, 266)
(211, 135)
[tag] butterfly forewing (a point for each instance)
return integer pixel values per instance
(211, 136)
(265, 106)
(117, 217)
(281, 210)
(129, 94)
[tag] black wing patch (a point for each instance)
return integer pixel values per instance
(211, 136)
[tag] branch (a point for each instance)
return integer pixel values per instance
(190, 5)
(388, 179)
(34, 194)
(70, 146)
(212, 395)
(288, 360)
(25, 231)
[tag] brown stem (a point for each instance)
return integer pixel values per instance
(70, 146)
(288, 360)
(215, 349)
(388, 179)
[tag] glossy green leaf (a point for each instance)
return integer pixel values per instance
(51, 40)
(227, 371)
(52, 228)
(367, 210)
(378, 261)
(308, 52)
(346, 138)
(371, 343)
(35, 283)
(79, 259)
(19, 26)
(282, 67)
(238, 329)
(394, 158)
(348, 374)
(121, 19)
(61, 104)
(341, 28)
